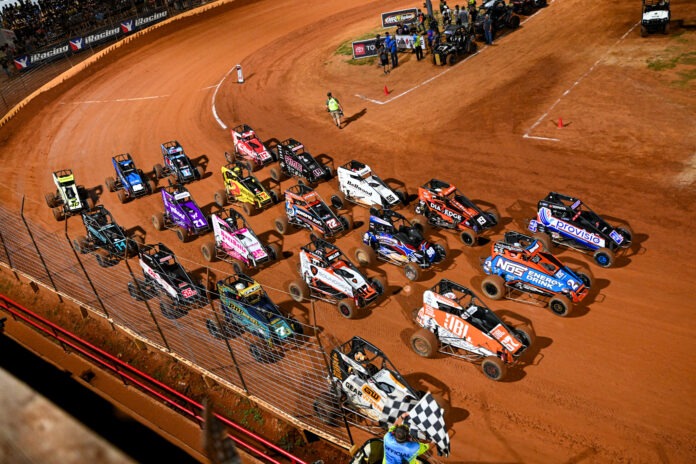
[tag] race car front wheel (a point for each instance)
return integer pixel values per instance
(560, 305)
(493, 368)
(493, 287)
(604, 257)
(425, 343)
(347, 308)
(468, 237)
(298, 290)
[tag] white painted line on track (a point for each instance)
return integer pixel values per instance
(217, 87)
(525, 136)
(575, 84)
(116, 100)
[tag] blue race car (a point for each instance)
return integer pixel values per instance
(130, 182)
(567, 221)
(391, 237)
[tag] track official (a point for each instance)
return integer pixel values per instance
(334, 107)
(398, 446)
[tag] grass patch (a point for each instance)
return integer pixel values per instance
(363, 61)
(659, 64)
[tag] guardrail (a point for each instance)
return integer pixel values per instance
(245, 439)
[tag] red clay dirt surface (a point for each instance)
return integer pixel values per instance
(615, 381)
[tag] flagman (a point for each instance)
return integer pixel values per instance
(399, 447)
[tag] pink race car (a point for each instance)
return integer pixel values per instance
(248, 149)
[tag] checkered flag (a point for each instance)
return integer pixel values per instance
(428, 418)
(395, 409)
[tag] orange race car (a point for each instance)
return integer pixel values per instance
(455, 322)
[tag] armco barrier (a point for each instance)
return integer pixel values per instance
(246, 440)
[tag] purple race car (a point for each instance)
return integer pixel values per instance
(181, 214)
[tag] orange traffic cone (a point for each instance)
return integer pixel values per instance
(386, 90)
(560, 123)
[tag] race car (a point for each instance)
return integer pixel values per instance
(327, 274)
(242, 187)
(130, 182)
(567, 221)
(247, 308)
(527, 7)
(305, 209)
(454, 321)
(392, 238)
(520, 262)
(445, 207)
(294, 161)
(181, 213)
(69, 198)
(165, 276)
(177, 165)
(655, 17)
(358, 184)
(105, 237)
(236, 243)
(248, 149)
(371, 393)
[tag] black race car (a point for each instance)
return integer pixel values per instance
(105, 237)
(294, 161)
(459, 41)
(177, 164)
(305, 209)
(527, 7)
(565, 220)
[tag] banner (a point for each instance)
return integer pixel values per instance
(404, 42)
(393, 18)
(364, 49)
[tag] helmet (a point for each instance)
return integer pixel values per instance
(239, 286)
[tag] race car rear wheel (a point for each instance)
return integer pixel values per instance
(276, 195)
(273, 251)
(347, 308)
(51, 199)
(379, 285)
(412, 272)
(425, 343)
(544, 239)
(494, 214)
(122, 196)
(134, 244)
(526, 334)
(102, 258)
(134, 292)
(560, 305)
(346, 221)
(182, 234)
(281, 225)
(58, 213)
(151, 186)
(171, 311)
(299, 290)
(276, 174)
(239, 267)
(468, 237)
(110, 183)
(338, 200)
(627, 234)
(249, 209)
(514, 22)
(214, 330)
(493, 368)
(221, 198)
(80, 244)
(604, 257)
(493, 287)
(327, 411)
(452, 59)
(208, 251)
(586, 279)
(158, 170)
(402, 195)
(441, 250)
(421, 222)
(200, 172)
(261, 353)
(158, 221)
(365, 255)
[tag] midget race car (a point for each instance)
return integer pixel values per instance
(181, 213)
(445, 207)
(165, 276)
(69, 198)
(247, 308)
(456, 322)
(392, 238)
(242, 187)
(358, 184)
(367, 388)
(104, 236)
(305, 209)
(294, 161)
(567, 221)
(520, 262)
(177, 165)
(327, 274)
(248, 149)
(130, 182)
(236, 243)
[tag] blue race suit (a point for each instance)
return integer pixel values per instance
(398, 453)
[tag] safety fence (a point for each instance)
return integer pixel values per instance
(246, 440)
(285, 377)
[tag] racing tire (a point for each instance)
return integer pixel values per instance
(346, 308)
(122, 196)
(441, 250)
(452, 59)
(102, 258)
(248, 209)
(402, 195)
(493, 287)
(151, 186)
(365, 255)
(379, 285)
(643, 31)
(260, 353)
(51, 199)
(493, 368)
(134, 292)
(135, 242)
(274, 251)
(299, 290)
(514, 22)
(158, 170)
(208, 251)
(182, 234)
(327, 411)
(329, 172)
(220, 198)
(281, 225)
(276, 195)
(604, 257)
(421, 222)
(276, 174)
(338, 200)
(110, 183)
(560, 305)
(526, 333)
(158, 221)
(214, 330)
(412, 272)
(627, 234)
(346, 221)
(239, 267)
(80, 244)
(89, 203)
(544, 239)
(171, 311)
(424, 343)
(58, 213)
(585, 278)
(494, 215)
(468, 237)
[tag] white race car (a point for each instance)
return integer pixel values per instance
(359, 185)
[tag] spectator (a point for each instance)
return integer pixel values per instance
(4, 61)
(488, 29)
(416, 42)
(446, 16)
(464, 19)
(457, 18)
(384, 58)
(421, 21)
(422, 41)
(390, 43)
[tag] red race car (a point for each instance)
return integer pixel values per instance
(249, 149)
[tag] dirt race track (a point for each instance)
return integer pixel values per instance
(615, 381)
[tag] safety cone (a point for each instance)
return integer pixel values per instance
(386, 90)
(560, 123)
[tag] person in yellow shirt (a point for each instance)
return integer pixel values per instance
(334, 107)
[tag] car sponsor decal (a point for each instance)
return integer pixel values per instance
(569, 230)
(445, 211)
(617, 237)
(505, 339)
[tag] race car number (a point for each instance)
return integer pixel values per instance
(332, 223)
(430, 252)
(188, 292)
(481, 220)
